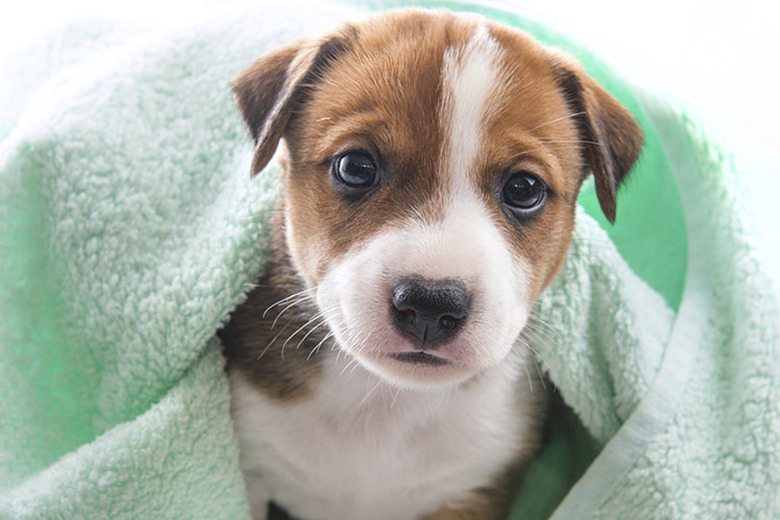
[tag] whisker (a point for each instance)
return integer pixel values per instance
(273, 340)
(395, 397)
(531, 150)
(576, 114)
(539, 370)
(318, 345)
(541, 330)
(362, 344)
(368, 394)
(528, 375)
(348, 365)
(288, 307)
(317, 326)
(348, 339)
(355, 366)
(553, 140)
(286, 299)
(356, 350)
(291, 336)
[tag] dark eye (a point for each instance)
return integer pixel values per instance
(356, 170)
(523, 191)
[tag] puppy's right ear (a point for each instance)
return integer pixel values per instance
(269, 91)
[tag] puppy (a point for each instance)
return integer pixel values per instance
(430, 174)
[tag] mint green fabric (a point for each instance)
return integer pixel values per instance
(129, 228)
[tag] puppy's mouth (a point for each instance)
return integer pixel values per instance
(420, 358)
(430, 330)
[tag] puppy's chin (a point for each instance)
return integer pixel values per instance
(418, 370)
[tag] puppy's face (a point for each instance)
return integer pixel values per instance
(433, 167)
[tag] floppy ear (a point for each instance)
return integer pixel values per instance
(269, 91)
(610, 135)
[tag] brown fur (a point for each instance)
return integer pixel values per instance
(323, 108)
(264, 352)
(366, 88)
(487, 503)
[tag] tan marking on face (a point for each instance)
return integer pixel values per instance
(374, 99)
(384, 97)
(449, 107)
(528, 126)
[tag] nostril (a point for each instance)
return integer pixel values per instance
(449, 322)
(408, 315)
(429, 310)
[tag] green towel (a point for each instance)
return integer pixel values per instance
(129, 229)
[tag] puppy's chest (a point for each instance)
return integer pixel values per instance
(359, 449)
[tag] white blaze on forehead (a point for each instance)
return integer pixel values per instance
(469, 76)
(462, 242)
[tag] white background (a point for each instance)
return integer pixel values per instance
(721, 57)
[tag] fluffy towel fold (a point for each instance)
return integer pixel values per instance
(129, 229)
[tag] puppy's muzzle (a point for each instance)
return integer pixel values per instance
(429, 312)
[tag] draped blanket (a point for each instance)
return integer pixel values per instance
(129, 229)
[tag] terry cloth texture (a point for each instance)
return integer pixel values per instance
(129, 229)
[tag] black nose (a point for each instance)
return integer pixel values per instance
(429, 311)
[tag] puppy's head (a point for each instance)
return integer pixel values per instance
(432, 170)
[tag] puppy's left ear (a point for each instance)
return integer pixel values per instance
(270, 90)
(610, 135)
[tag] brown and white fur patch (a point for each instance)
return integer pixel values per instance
(431, 169)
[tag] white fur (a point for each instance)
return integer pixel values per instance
(467, 246)
(469, 80)
(464, 244)
(364, 449)
(385, 440)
